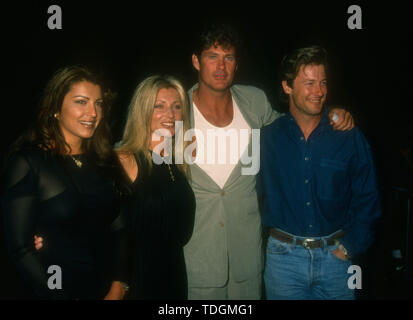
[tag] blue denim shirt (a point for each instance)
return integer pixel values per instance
(315, 187)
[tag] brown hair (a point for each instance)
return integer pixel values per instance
(46, 132)
(216, 33)
(291, 64)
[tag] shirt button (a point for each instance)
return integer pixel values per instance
(223, 193)
(306, 158)
(310, 225)
(221, 224)
(308, 204)
(306, 181)
(302, 138)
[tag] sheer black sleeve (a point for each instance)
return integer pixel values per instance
(122, 249)
(19, 202)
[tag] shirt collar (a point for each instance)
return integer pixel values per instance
(321, 127)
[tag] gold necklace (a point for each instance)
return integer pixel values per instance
(170, 173)
(77, 161)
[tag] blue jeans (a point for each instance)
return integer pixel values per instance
(295, 273)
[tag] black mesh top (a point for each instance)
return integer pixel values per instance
(75, 210)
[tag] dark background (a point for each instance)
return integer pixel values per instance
(131, 40)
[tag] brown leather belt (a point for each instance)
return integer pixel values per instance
(308, 243)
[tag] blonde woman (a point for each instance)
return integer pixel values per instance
(161, 209)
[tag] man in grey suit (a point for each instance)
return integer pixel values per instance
(224, 257)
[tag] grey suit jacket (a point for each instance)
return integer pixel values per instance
(227, 230)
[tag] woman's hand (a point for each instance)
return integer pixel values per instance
(38, 242)
(116, 292)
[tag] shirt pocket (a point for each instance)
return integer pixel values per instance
(332, 180)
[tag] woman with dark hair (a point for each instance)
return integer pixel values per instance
(62, 183)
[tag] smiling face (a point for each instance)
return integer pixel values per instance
(81, 112)
(216, 67)
(167, 110)
(309, 91)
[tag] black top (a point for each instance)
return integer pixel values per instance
(162, 212)
(75, 210)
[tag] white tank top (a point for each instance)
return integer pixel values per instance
(222, 147)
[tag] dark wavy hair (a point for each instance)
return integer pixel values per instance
(217, 33)
(46, 132)
(292, 62)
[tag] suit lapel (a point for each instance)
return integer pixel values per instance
(197, 173)
(244, 104)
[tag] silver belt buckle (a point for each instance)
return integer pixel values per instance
(306, 243)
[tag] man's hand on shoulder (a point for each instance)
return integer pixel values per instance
(341, 119)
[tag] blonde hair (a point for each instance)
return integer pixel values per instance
(137, 132)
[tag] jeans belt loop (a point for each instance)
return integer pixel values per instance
(325, 246)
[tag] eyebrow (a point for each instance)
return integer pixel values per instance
(87, 98)
(81, 97)
(213, 53)
(164, 101)
(313, 80)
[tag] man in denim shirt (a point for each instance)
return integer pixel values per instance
(318, 187)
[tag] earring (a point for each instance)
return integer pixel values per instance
(55, 115)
